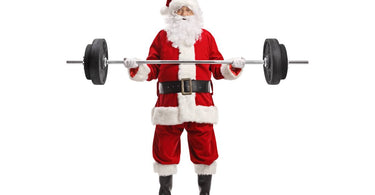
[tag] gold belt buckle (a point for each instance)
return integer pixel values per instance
(183, 87)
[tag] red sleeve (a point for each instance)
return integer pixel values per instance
(154, 54)
(220, 71)
(149, 71)
(214, 55)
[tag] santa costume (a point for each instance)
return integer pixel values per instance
(184, 93)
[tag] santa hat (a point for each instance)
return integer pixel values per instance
(173, 5)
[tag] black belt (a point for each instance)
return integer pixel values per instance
(185, 86)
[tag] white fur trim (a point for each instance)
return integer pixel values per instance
(201, 169)
(186, 71)
(227, 73)
(165, 116)
(186, 106)
(142, 73)
(175, 116)
(186, 103)
(165, 170)
(177, 4)
(204, 114)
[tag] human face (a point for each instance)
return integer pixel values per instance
(184, 11)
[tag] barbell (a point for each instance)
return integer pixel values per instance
(275, 61)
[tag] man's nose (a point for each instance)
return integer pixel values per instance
(185, 13)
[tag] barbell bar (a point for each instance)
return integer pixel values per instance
(187, 61)
(275, 61)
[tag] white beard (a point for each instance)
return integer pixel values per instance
(183, 30)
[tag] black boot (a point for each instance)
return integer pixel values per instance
(204, 182)
(165, 185)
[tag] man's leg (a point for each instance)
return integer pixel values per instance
(203, 153)
(166, 152)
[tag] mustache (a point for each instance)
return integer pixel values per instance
(183, 18)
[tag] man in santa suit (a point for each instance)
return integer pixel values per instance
(184, 92)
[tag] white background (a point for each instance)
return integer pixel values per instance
(312, 134)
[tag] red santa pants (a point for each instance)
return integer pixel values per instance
(201, 140)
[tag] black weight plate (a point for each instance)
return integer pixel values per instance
(284, 61)
(267, 66)
(98, 67)
(86, 61)
(272, 71)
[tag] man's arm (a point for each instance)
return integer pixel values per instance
(221, 71)
(148, 72)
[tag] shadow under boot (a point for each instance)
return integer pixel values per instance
(165, 185)
(204, 182)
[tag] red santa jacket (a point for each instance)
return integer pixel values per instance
(173, 109)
